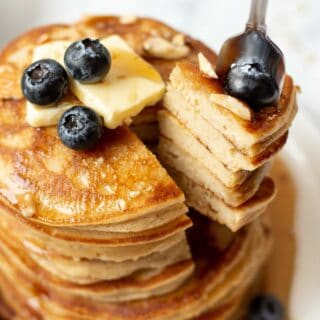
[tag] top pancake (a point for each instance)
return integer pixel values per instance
(266, 124)
(51, 184)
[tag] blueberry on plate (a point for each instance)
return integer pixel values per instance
(87, 61)
(266, 307)
(44, 82)
(80, 128)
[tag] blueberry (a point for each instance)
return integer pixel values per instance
(44, 82)
(80, 128)
(252, 83)
(87, 61)
(266, 307)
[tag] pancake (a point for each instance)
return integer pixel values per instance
(34, 178)
(219, 148)
(176, 157)
(174, 130)
(91, 271)
(191, 126)
(220, 279)
(245, 135)
(204, 201)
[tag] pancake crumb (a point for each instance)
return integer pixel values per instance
(134, 194)
(29, 208)
(34, 303)
(109, 190)
(179, 39)
(128, 19)
(122, 205)
(206, 67)
(43, 38)
(159, 47)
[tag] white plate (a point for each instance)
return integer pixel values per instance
(303, 158)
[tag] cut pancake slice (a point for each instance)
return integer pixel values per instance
(186, 78)
(204, 201)
(174, 130)
(176, 157)
(219, 148)
(234, 158)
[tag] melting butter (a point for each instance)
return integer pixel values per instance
(131, 85)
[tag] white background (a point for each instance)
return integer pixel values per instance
(295, 26)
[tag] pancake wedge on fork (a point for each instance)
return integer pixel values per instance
(218, 148)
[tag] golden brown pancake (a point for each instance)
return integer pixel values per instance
(220, 148)
(245, 135)
(204, 201)
(176, 156)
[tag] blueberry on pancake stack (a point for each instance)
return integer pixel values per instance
(92, 226)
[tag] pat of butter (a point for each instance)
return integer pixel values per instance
(130, 85)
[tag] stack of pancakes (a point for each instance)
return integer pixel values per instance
(218, 149)
(101, 234)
